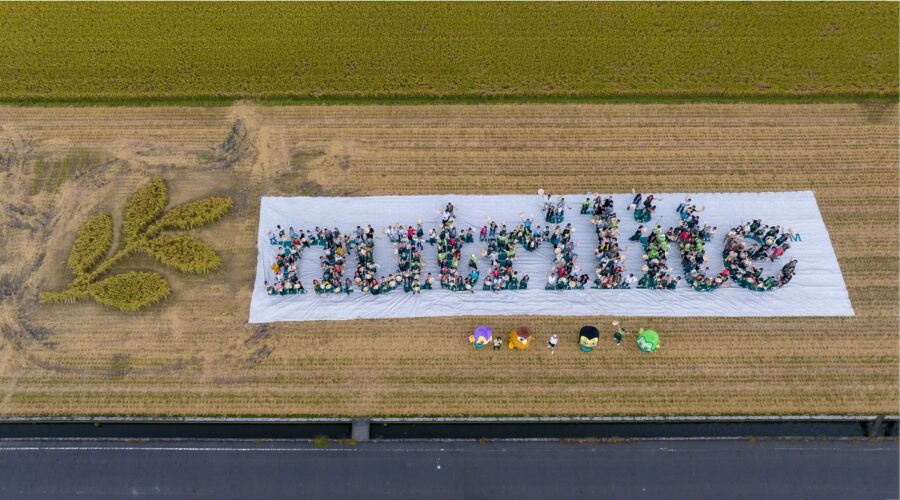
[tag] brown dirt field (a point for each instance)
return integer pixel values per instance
(195, 354)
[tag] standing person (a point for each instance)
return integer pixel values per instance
(498, 343)
(551, 344)
(618, 334)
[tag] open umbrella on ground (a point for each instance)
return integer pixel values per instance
(481, 337)
(648, 340)
(588, 338)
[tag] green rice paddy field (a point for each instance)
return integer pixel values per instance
(148, 51)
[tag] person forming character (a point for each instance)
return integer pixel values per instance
(683, 206)
(636, 200)
(637, 234)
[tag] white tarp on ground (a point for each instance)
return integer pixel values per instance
(817, 289)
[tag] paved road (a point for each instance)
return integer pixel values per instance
(643, 469)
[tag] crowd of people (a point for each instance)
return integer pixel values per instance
(501, 252)
(332, 263)
(692, 239)
(642, 210)
(554, 211)
(656, 247)
(366, 268)
(449, 241)
(609, 261)
(290, 245)
(656, 253)
(563, 273)
(527, 234)
(409, 243)
(755, 241)
(744, 245)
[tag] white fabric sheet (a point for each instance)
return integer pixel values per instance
(817, 289)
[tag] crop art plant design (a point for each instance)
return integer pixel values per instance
(147, 228)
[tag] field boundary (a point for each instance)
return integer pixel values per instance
(461, 420)
(351, 431)
(337, 100)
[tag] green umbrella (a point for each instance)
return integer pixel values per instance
(648, 340)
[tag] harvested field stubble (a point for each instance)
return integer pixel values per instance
(195, 354)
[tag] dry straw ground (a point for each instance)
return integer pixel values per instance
(195, 354)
